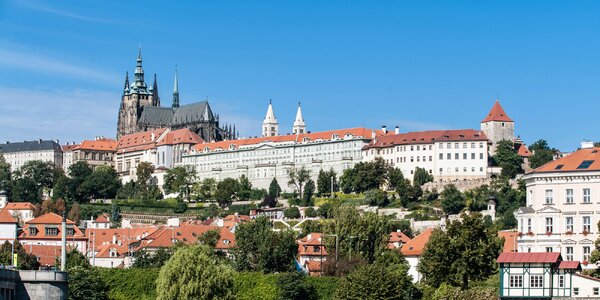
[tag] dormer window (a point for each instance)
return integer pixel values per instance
(231, 147)
(70, 231)
(51, 231)
(33, 231)
(335, 136)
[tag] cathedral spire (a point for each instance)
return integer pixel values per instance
(139, 71)
(126, 87)
(175, 91)
(155, 98)
(299, 125)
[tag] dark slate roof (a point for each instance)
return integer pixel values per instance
(527, 210)
(190, 113)
(152, 115)
(38, 145)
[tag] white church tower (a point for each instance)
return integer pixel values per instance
(299, 125)
(270, 124)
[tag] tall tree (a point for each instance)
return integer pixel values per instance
(75, 213)
(227, 189)
(179, 180)
(465, 252)
(79, 173)
(453, 201)
(103, 183)
(365, 176)
(274, 188)
(25, 189)
(542, 153)
(194, 272)
(245, 188)
(309, 190)
(259, 248)
(508, 159)
(421, 177)
(5, 176)
(206, 189)
(86, 284)
(375, 282)
(324, 181)
(25, 261)
(298, 177)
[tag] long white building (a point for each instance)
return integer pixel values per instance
(264, 158)
(17, 154)
(561, 214)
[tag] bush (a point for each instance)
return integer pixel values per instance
(376, 197)
(180, 208)
(250, 286)
(292, 213)
(324, 286)
(123, 284)
(310, 212)
(292, 286)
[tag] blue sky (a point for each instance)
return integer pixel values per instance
(420, 64)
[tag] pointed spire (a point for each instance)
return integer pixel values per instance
(155, 98)
(234, 131)
(270, 124)
(176, 90)
(126, 87)
(299, 125)
(139, 73)
(497, 113)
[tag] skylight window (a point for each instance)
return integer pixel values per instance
(585, 164)
(559, 167)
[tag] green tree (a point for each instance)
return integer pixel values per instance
(127, 191)
(145, 260)
(365, 176)
(465, 252)
(292, 286)
(395, 177)
(25, 261)
(376, 197)
(205, 190)
(274, 188)
(179, 180)
(103, 183)
(453, 201)
(309, 191)
(210, 238)
(194, 272)
(5, 176)
(227, 189)
(75, 213)
(78, 174)
(25, 189)
(245, 188)
(324, 181)
(115, 215)
(310, 212)
(298, 177)
(259, 248)
(421, 177)
(86, 284)
(407, 193)
(542, 153)
(374, 282)
(508, 159)
(269, 201)
(292, 213)
(595, 257)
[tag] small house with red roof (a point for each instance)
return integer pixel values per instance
(23, 211)
(397, 239)
(312, 253)
(413, 250)
(47, 230)
(544, 275)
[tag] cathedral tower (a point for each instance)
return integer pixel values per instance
(270, 124)
(498, 126)
(135, 97)
(299, 125)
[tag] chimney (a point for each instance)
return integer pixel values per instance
(152, 137)
(39, 141)
(114, 239)
(397, 129)
(384, 129)
(587, 145)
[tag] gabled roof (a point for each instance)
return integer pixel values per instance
(427, 137)
(497, 114)
(103, 144)
(398, 237)
(583, 160)
(101, 219)
(569, 265)
(510, 240)
(20, 206)
(48, 218)
(46, 254)
(139, 141)
(529, 257)
(38, 145)
(523, 151)
(6, 218)
(180, 136)
(416, 246)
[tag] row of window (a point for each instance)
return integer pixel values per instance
(457, 145)
(586, 251)
(569, 196)
(537, 281)
(586, 222)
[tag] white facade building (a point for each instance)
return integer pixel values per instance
(265, 158)
(270, 126)
(17, 154)
(445, 154)
(561, 214)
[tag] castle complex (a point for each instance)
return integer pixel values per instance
(140, 111)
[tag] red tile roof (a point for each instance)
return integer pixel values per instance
(180, 136)
(46, 254)
(20, 206)
(99, 144)
(237, 218)
(66, 148)
(497, 113)
(6, 217)
(529, 257)
(139, 141)
(398, 237)
(523, 151)
(323, 135)
(164, 237)
(573, 162)
(312, 245)
(510, 240)
(416, 246)
(101, 219)
(569, 265)
(49, 218)
(427, 137)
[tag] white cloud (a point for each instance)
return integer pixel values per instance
(39, 63)
(68, 115)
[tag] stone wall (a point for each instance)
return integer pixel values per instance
(42, 285)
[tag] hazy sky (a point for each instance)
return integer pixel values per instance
(420, 64)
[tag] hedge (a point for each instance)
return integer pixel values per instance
(250, 286)
(124, 284)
